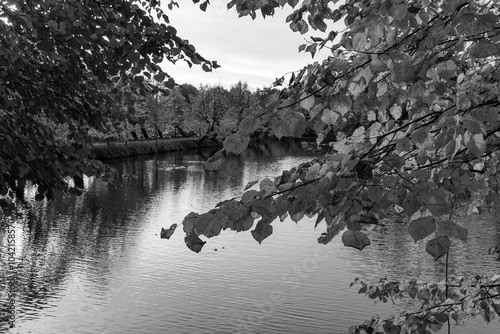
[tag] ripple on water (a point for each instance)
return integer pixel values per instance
(96, 264)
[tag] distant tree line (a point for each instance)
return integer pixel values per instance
(186, 111)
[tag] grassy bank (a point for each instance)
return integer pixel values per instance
(103, 151)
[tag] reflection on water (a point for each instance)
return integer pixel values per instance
(95, 263)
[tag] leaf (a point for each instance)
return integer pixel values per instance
(201, 223)
(236, 143)
(292, 125)
(396, 112)
(166, 234)
(359, 41)
(262, 231)
(399, 11)
(378, 30)
(250, 184)
(329, 117)
(446, 70)
(297, 217)
(298, 124)
(193, 242)
(215, 162)
(308, 102)
(249, 125)
(159, 77)
(410, 204)
(243, 224)
(188, 222)
(374, 132)
(364, 218)
(355, 239)
(496, 308)
(422, 138)
(475, 143)
(484, 49)
(341, 104)
(234, 210)
(421, 228)
(464, 103)
(437, 201)
(412, 291)
(215, 225)
(336, 225)
(450, 229)
(267, 185)
(438, 247)
(249, 197)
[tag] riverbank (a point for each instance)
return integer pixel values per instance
(111, 150)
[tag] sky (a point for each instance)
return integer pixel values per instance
(253, 51)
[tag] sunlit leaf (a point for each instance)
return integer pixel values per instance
(475, 143)
(329, 117)
(396, 112)
(308, 102)
(359, 41)
(341, 104)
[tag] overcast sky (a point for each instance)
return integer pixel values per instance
(256, 51)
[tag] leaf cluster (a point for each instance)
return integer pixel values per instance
(429, 306)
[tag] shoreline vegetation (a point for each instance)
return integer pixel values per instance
(112, 150)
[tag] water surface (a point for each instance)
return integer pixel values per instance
(95, 263)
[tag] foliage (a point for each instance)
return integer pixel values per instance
(427, 307)
(59, 62)
(207, 111)
(216, 112)
(411, 97)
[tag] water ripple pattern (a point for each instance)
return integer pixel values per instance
(96, 263)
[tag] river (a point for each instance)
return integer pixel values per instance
(96, 264)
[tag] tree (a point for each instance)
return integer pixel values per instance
(242, 101)
(152, 109)
(59, 61)
(209, 113)
(410, 95)
(177, 106)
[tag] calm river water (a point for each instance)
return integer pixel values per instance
(96, 264)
